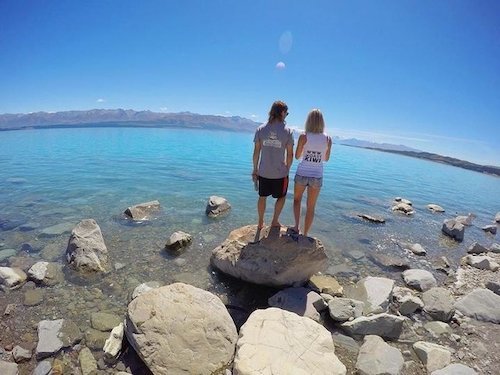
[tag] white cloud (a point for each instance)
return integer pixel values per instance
(101, 100)
(254, 116)
(163, 109)
(227, 113)
(280, 65)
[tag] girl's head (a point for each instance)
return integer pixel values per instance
(315, 122)
(278, 111)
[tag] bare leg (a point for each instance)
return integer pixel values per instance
(312, 197)
(298, 191)
(261, 209)
(278, 206)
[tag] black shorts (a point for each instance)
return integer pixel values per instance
(277, 187)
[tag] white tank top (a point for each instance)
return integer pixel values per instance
(313, 155)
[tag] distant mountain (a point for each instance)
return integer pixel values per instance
(123, 117)
(366, 144)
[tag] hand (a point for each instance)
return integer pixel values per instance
(255, 176)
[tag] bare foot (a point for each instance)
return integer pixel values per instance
(276, 224)
(260, 226)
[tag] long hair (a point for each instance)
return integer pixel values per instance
(276, 111)
(315, 122)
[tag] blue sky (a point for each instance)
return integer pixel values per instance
(421, 73)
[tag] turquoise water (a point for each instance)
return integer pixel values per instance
(61, 176)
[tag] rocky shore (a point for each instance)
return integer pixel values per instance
(308, 319)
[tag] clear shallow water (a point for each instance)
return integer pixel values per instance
(49, 177)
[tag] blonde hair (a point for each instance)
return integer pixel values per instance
(315, 122)
(276, 111)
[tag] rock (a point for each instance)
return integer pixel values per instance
(376, 357)
(45, 273)
(433, 356)
(95, 339)
(482, 262)
(180, 321)
(12, 277)
(384, 325)
(33, 297)
(453, 229)
(297, 300)
(144, 287)
(403, 208)
(417, 249)
(56, 230)
(9, 309)
(178, 240)
(276, 260)
(374, 292)
(43, 368)
(435, 208)
(326, 284)
(455, 369)
(480, 304)
(20, 354)
(8, 368)
(86, 249)
(53, 335)
(403, 200)
(343, 309)
(7, 253)
(104, 322)
(29, 227)
(495, 248)
(437, 328)
(88, 364)
(476, 248)
(465, 220)
(497, 217)
(279, 342)
(410, 304)
(346, 342)
(373, 218)
(494, 286)
(143, 211)
(419, 279)
(391, 261)
(490, 229)
(217, 206)
(113, 345)
(438, 304)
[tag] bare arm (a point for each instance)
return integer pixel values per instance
(300, 146)
(289, 156)
(328, 149)
(256, 157)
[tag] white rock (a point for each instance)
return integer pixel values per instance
(495, 248)
(12, 277)
(8, 368)
(374, 292)
(38, 271)
(376, 357)
(480, 304)
(435, 208)
(433, 356)
(403, 208)
(384, 325)
(53, 335)
(43, 368)
(419, 279)
(482, 262)
(278, 342)
(113, 344)
(490, 228)
(455, 369)
(466, 220)
(437, 328)
(418, 249)
(20, 354)
(217, 206)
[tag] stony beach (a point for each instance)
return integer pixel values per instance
(270, 301)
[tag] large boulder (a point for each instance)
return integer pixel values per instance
(53, 335)
(480, 304)
(438, 304)
(86, 249)
(376, 357)
(217, 206)
(181, 328)
(419, 279)
(275, 341)
(276, 260)
(384, 325)
(143, 211)
(374, 292)
(301, 301)
(453, 229)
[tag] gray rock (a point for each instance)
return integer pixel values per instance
(57, 230)
(217, 206)
(476, 248)
(274, 341)
(455, 369)
(346, 342)
(43, 368)
(482, 262)
(494, 286)
(143, 211)
(433, 356)
(374, 292)
(419, 279)
(8, 368)
(7, 253)
(343, 309)
(438, 304)
(276, 260)
(179, 320)
(480, 304)
(435, 208)
(495, 248)
(86, 249)
(490, 229)
(403, 208)
(403, 200)
(104, 322)
(20, 354)
(453, 229)
(297, 300)
(437, 328)
(373, 218)
(410, 304)
(417, 249)
(376, 357)
(45, 273)
(12, 277)
(178, 240)
(53, 335)
(33, 297)
(392, 261)
(384, 325)
(466, 220)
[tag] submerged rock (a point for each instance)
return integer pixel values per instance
(217, 206)
(88, 364)
(376, 357)
(276, 260)
(57, 230)
(178, 240)
(279, 342)
(86, 249)
(453, 229)
(53, 335)
(12, 277)
(403, 208)
(373, 218)
(143, 211)
(45, 273)
(392, 261)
